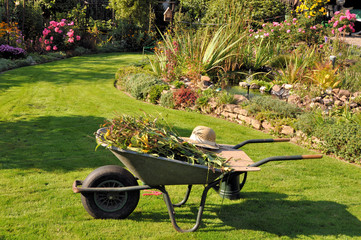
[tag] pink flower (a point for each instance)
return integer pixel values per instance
(55, 48)
(62, 24)
(272, 30)
(46, 41)
(48, 48)
(263, 25)
(78, 38)
(321, 45)
(335, 24)
(251, 35)
(71, 40)
(46, 32)
(51, 38)
(337, 13)
(340, 29)
(53, 23)
(288, 31)
(251, 30)
(266, 34)
(60, 31)
(56, 29)
(71, 23)
(343, 18)
(63, 20)
(300, 30)
(40, 39)
(70, 33)
(333, 31)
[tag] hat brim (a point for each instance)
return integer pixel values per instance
(202, 145)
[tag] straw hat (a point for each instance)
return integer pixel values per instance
(203, 137)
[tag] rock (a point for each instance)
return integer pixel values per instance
(342, 93)
(328, 102)
(256, 124)
(356, 94)
(295, 99)
(254, 86)
(243, 84)
(241, 111)
(267, 126)
(245, 119)
(240, 98)
(335, 91)
(230, 107)
(205, 78)
(353, 105)
(280, 91)
(276, 88)
(204, 84)
(287, 86)
(287, 130)
(344, 99)
(229, 115)
(338, 103)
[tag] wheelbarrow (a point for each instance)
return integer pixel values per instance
(113, 192)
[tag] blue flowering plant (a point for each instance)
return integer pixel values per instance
(10, 52)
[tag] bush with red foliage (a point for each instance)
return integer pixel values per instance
(184, 97)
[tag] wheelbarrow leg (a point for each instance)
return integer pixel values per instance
(171, 212)
(185, 199)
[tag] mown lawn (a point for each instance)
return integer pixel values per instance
(48, 114)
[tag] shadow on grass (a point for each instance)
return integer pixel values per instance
(52, 143)
(84, 68)
(267, 212)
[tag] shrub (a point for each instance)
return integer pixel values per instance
(139, 84)
(184, 97)
(155, 92)
(279, 108)
(6, 64)
(59, 36)
(167, 100)
(225, 98)
(343, 21)
(312, 8)
(342, 140)
(10, 52)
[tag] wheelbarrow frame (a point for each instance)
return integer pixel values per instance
(174, 172)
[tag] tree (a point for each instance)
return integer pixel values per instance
(137, 12)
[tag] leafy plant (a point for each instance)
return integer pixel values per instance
(155, 92)
(280, 108)
(297, 67)
(225, 98)
(184, 97)
(140, 84)
(167, 100)
(325, 76)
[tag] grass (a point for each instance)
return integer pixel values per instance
(48, 115)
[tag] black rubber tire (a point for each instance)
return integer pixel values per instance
(105, 205)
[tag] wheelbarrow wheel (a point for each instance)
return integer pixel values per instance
(104, 205)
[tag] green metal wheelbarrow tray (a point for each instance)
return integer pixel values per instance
(113, 192)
